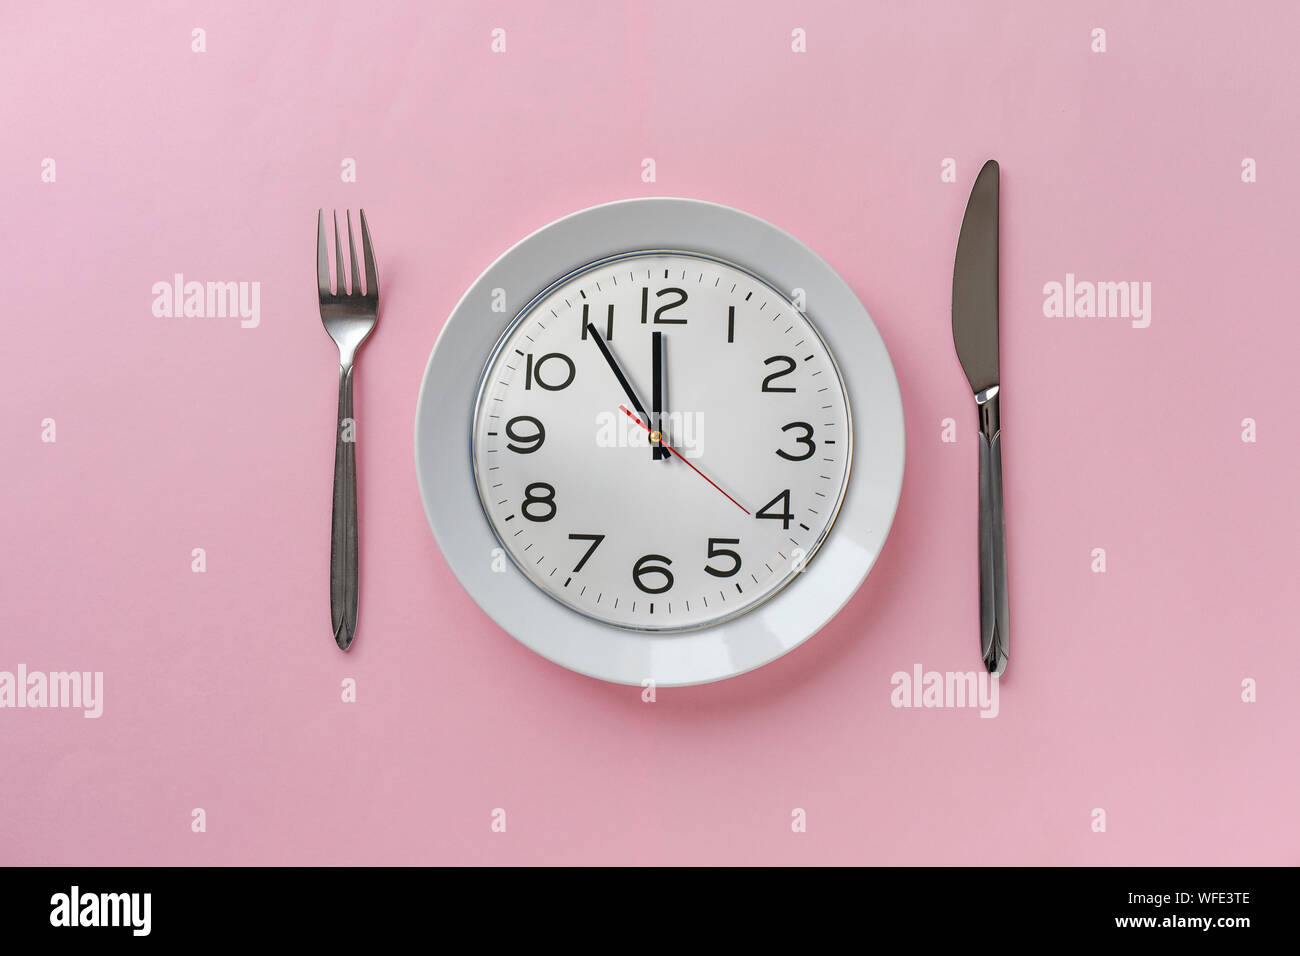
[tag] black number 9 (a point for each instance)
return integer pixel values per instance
(530, 439)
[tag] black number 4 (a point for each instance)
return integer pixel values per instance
(785, 517)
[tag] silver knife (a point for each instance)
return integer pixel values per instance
(975, 334)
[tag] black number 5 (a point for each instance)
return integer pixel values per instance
(716, 552)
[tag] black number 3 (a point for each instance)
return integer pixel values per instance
(805, 439)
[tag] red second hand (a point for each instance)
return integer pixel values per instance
(673, 450)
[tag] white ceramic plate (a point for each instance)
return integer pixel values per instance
(450, 392)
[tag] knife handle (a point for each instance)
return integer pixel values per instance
(994, 633)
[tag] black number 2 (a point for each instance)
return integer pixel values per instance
(789, 367)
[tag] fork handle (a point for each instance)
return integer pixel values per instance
(343, 536)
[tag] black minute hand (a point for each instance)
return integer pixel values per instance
(618, 372)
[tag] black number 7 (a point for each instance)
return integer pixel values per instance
(595, 540)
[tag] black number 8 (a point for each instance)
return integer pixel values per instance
(541, 494)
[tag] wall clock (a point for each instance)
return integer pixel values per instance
(660, 439)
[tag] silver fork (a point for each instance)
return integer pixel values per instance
(349, 318)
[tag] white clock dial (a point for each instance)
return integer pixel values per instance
(750, 407)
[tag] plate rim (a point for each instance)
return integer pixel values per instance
(711, 653)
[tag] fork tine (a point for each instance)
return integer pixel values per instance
(352, 250)
(368, 251)
(340, 281)
(322, 256)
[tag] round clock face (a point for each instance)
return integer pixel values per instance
(661, 440)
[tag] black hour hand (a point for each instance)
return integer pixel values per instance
(657, 398)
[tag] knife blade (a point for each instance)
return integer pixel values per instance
(975, 337)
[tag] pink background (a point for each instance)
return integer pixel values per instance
(222, 689)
